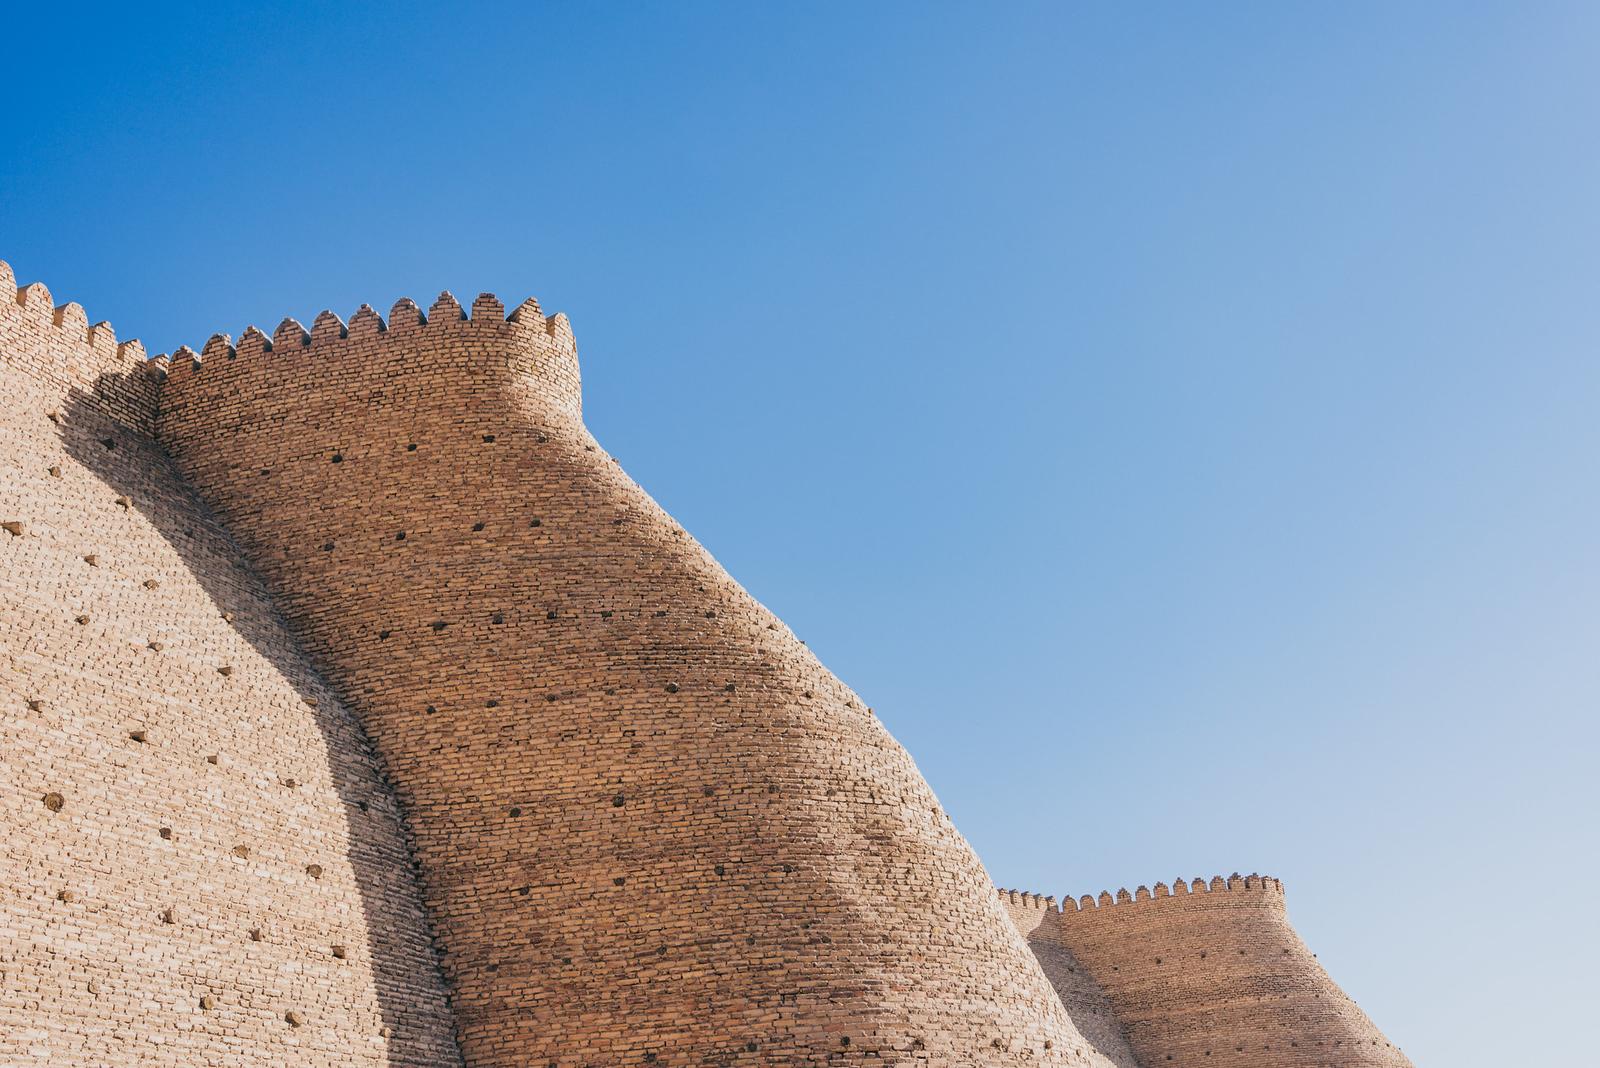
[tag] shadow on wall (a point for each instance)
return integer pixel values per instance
(1083, 999)
(406, 974)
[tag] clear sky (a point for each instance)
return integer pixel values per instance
(1179, 423)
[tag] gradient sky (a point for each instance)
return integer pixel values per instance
(1179, 423)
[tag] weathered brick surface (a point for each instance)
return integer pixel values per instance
(1203, 975)
(651, 825)
(156, 809)
(644, 823)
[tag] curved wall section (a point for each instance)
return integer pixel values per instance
(1208, 976)
(652, 828)
(202, 863)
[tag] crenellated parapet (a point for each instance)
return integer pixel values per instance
(525, 341)
(1217, 884)
(66, 352)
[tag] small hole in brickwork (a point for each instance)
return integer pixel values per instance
(339, 952)
(35, 705)
(169, 915)
(66, 897)
(730, 688)
(266, 471)
(488, 439)
(314, 870)
(492, 703)
(708, 791)
(542, 438)
(672, 687)
(477, 527)
(383, 635)
(212, 759)
(291, 783)
(225, 670)
(55, 472)
(536, 522)
(720, 870)
(616, 802)
(208, 1002)
(92, 560)
(845, 1041)
(498, 617)
(550, 614)
(155, 647)
(552, 698)
(83, 620)
(152, 584)
(363, 806)
(515, 812)
(255, 934)
(431, 710)
(109, 443)
(124, 502)
(711, 615)
(661, 614)
(293, 1019)
(400, 535)
(338, 458)
(138, 736)
(242, 852)
(412, 447)
(523, 891)
(327, 546)
(605, 613)
(438, 625)
(619, 881)
(165, 832)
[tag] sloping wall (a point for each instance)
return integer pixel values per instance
(653, 828)
(1204, 975)
(202, 863)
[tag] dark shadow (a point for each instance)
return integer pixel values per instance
(411, 992)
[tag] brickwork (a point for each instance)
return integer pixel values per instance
(200, 865)
(611, 812)
(652, 827)
(1205, 975)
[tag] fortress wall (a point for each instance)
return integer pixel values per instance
(1212, 975)
(173, 774)
(653, 829)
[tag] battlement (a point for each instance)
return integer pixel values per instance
(527, 339)
(77, 354)
(1217, 884)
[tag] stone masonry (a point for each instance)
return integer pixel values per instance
(360, 710)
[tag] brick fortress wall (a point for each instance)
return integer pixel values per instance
(652, 827)
(202, 863)
(1203, 975)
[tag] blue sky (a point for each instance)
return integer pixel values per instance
(1178, 423)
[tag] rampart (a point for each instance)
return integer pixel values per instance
(1202, 974)
(202, 862)
(359, 710)
(652, 827)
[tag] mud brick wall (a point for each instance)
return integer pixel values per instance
(652, 828)
(201, 864)
(1206, 975)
